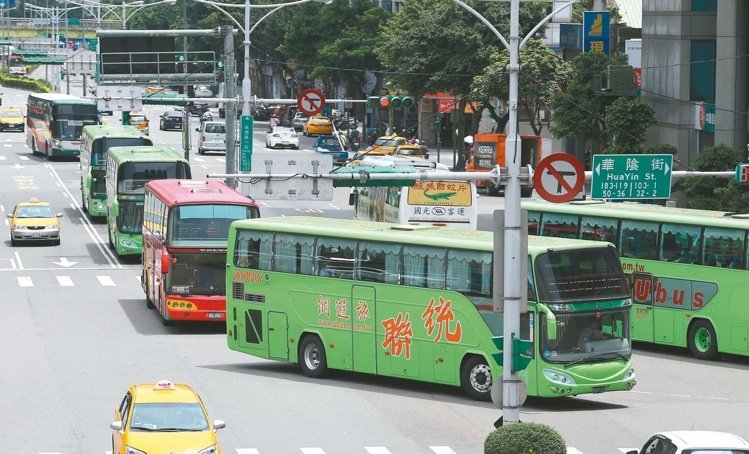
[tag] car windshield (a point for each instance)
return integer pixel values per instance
(215, 129)
(409, 151)
(12, 114)
(283, 130)
(137, 118)
(328, 142)
(320, 121)
(387, 142)
(168, 417)
(35, 212)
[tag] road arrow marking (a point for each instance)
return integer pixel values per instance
(64, 262)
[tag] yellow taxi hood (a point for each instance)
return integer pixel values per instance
(35, 221)
(171, 442)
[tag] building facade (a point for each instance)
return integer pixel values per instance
(695, 73)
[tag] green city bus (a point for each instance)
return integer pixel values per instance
(95, 141)
(415, 302)
(687, 268)
(54, 122)
(128, 171)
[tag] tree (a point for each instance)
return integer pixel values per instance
(713, 193)
(541, 72)
(525, 438)
(578, 110)
(627, 121)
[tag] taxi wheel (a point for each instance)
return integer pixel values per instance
(312, 359)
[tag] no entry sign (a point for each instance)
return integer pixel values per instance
(310, 102)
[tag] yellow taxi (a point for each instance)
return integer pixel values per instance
(11, 119)
(163, 418)
(318, 125)
(139, 120)
(411, 151)
(386, 145)
(34, 221)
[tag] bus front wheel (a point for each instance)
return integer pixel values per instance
(703, 342)
(476, 378)
(312, 358)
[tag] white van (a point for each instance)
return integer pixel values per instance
(212, 137)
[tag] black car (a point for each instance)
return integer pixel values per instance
(197, 108)
(171, 119)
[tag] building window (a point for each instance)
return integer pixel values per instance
(704, 5)
(702, 83)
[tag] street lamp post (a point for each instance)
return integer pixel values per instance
(511, 383)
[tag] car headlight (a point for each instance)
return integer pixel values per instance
(131, 450)
(209, 450)
(558, 377)
(52, 227)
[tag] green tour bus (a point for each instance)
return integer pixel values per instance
(95, 141)
(687, 268)
(128, 171)
(415, 302)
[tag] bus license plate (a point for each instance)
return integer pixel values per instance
(214, 315)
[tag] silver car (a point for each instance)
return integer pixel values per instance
(212, 137)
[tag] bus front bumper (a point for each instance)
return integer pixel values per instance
(558, 383)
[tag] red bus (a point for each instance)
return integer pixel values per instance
(185, 232)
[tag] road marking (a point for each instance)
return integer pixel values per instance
(377, 450)
(442, 450)
(197, 159)
(247, 451)
(64, 281)
(573, 451)
(106, 281)
(23, 158)
(18, 260)
(25, 281)
(312, 450)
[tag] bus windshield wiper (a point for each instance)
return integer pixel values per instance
(594, 357)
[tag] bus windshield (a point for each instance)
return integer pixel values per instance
(191, 223)
(197, 274)
(579, 275)
(587, 336)
(100, 147)
(131, 216)
(70, 129)
(133, 176)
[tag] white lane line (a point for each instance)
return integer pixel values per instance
(442, 450)
(64, 281)
(247, 451)
(25, 281)
(312, 450)
(18, 260)
(377, 450)
(106, 281)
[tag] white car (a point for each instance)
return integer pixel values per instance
(212, 137)
(694, 441)
(203, 91)
(282, 137)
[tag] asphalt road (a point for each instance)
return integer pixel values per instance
(75, 332)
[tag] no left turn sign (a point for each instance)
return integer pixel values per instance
(559, 177)
(310, 102)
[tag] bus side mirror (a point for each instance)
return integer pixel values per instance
(551, 326)
(115, 210)
(165, 263)
(352, 198)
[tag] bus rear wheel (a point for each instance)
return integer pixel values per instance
(312, 359)
(702, 340)
(476, 378)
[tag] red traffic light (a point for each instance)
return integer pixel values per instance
(385, 101)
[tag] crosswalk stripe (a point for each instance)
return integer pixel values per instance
(442, 450)
(64, 281)
(377, 450)
(312, 450)
(106, 281)
(247, 451)
(573, 451)
(25, 281)
(23, 158)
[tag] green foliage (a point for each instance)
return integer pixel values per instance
(661, 148)
(542, 72)
(24, 83)
(627, 121)
(712, 193)
(525, 438)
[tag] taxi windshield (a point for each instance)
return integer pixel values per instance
(35, 212)
(168, 417)
(11, 114)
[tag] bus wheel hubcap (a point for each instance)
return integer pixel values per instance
(481, 378)
(702, 339)
(312, 357)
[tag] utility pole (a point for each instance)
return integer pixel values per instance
(230, 92)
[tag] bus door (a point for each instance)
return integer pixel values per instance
(278, 347)
(363, 329)
(643, 320)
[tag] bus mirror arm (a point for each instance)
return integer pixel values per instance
(551, 322)
(165, 263)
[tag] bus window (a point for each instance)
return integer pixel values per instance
(469, 272)
(293, 253)
(335, 258)
(534, 222)
(424, 267)
(253, 250)
(723, 247)
(378, 262)
(639, 239)
(559, 225)
(597, 228)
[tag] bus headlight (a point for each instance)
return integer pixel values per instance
(630, 375)
(56, 143)
(559, 378)
(125, 242)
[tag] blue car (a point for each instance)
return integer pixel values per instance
(330, 145)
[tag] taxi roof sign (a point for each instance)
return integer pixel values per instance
(164, 385)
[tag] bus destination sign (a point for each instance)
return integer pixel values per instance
(631, 176)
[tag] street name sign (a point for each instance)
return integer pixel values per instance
(631, 176)
(245, 144)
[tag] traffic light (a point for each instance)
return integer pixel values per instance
(522, 352)
(62, 74)
(389, 101)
